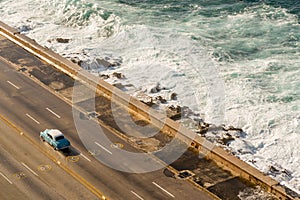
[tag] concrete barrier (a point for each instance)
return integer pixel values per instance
(166, 125)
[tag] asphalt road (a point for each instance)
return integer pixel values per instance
(26, 173)
(32, 109)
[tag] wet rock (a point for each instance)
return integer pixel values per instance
(273, 169)
(178, 112)
(77, 61)
(202, 129)
(118, 75)
(116, 63)
(155, 89)
(162, 100)
(226, 139)
(104, 76)
(173, 96)
(141, 96)
(174, 112)
(62, 40)
(231, 128)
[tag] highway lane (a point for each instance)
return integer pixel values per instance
(28, 174)
(34, 109)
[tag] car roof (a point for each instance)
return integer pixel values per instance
(55, 132)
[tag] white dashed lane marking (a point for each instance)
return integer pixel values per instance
(103, 148)
(85, 157)
(13, 85)
(56, 115)
(138, 196)
(5, 178)
(163, 189)
(29, 169)
(36, 121)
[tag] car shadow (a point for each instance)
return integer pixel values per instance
(71, 151)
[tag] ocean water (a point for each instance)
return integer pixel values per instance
(235, 62)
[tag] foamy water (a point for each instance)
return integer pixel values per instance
(245, 61)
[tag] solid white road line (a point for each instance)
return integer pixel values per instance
(53, 112)
(29, 169)
(85, 157)
(138, 196)
(36, 121)
(103, 147)
(13, 84)
(5, 178)
(163, 189)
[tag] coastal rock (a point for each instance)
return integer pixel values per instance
(202, 127)
(174, 112)
(77, 61)
(162, 100)
(231, 128)
(173, 96)
(62, 40)
(118, 75)
(104, 76)
(145, 99)
(116, 63)
(155, 89)
(225, 139)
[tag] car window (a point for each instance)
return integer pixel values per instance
(59, 138)
(50, 136)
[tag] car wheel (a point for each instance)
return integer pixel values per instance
(42, 139)
(55, 148)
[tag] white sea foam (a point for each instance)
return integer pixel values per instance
(263, 102)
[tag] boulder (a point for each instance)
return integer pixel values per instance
(118, 75)
(104, 76)
(62, 40)
(155, 89)
(77, 61)
(173, 96)
(162, 100)
(231, 128)
(174, 112)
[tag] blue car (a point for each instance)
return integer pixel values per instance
(55, 138)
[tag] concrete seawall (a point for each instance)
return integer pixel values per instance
(168, 126)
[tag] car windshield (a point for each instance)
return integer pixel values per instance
(59, 137)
